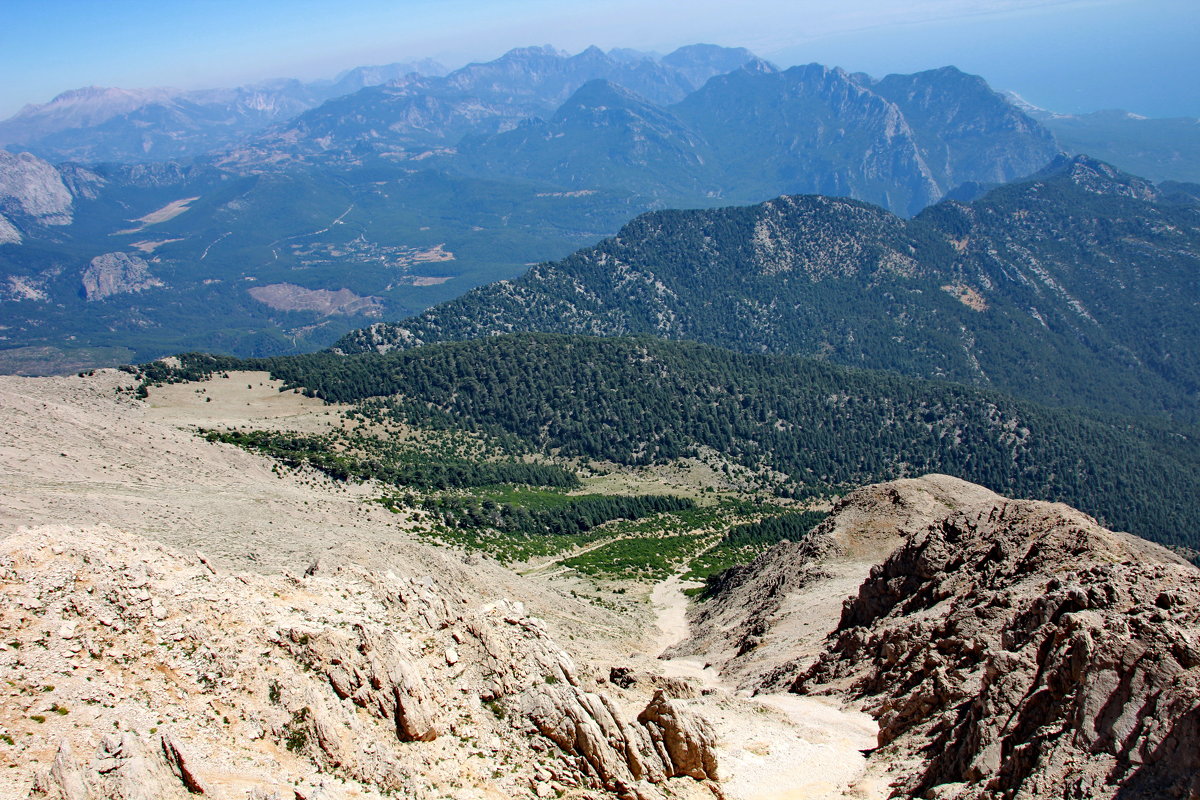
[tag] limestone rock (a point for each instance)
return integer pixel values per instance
(117, 273)
(1022, 650)
(33, 188)
(588, 725)
(684, 741)
(65, 780)
(666, 741)
(369, 668)
(272, 679)
(8, 232)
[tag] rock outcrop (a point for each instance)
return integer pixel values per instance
(117, 273)
(34, 189)
(666, 741)
(8, 232)
(31, 191)
(134, 672)
(1018, 649)
(765, 621)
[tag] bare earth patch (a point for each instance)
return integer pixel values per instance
(149, 246)
(290, 297)
(169, 211)
(967, 295)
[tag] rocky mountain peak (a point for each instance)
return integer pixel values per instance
(699, 62)
(1097, 177)
(85, 107)
(592, 53)
(600, 92)
(532, 52)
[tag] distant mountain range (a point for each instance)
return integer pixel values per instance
(1075, 287)
(96, 124)
(380, 203)
(419, 114)
(315, 216)
(700, 126)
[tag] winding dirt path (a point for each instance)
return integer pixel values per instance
(773, 746)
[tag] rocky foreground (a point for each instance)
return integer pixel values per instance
(1006, 648)
(134, 672)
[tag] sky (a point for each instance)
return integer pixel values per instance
(1066, 55)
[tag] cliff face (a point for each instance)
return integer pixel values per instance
(1007, 648)
(1022, 650)
(117, 273)
(33, 189)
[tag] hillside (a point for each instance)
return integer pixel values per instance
(804, 426)
(181, 616)
(1072, 288)
(1007, 648)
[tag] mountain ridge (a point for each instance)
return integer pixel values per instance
(946, 294)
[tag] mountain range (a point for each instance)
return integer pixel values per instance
(383, 202)
(1074, 287)
(387, 200)
(96, 124)
(679, 132)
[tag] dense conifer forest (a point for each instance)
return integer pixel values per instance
(808, 428)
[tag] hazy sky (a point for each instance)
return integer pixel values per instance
(1069, 55)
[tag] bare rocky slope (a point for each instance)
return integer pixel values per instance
(136, 672)
(178, 618)
(1007, 648)
(136, 668)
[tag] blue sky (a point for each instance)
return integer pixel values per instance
(1069, 55)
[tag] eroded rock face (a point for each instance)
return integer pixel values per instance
(123, 766)
(138, 673)
(372, 669)
(765, 622)
(8, 232)
(117, 273)
(682, 740)
(33, 188)
(1021, 650)
(666, 741)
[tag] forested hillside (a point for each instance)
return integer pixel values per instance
(808, 427)
(1077, 287)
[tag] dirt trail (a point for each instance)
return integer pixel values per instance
(774, 746)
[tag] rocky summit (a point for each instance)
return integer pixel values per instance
(181, 617)
(1006, 648)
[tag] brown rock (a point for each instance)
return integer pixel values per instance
(1023, 650)
(683, 740)
(180, 764)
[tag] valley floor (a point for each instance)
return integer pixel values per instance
(775, 746)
